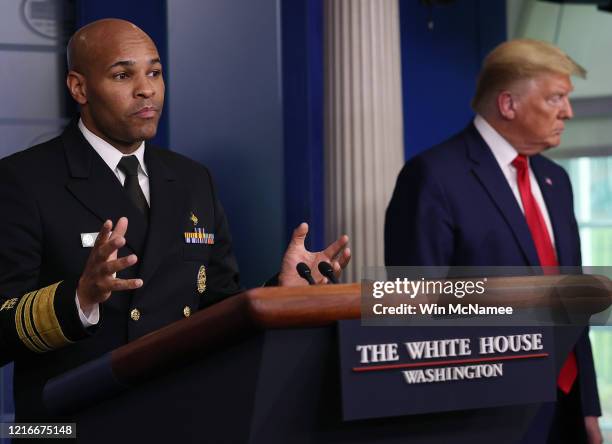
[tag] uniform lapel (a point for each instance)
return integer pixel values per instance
(556, 208)
(493, 180)
(167, 199)
(97, 188)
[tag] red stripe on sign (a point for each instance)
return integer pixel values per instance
(374, 368)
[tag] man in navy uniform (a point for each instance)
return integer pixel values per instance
(487, 197)
(176, 256)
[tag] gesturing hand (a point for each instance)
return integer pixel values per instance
(337, 254)
(98, 280)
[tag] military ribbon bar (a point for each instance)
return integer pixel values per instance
(199, 236)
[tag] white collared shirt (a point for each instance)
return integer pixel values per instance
(111, 156)
(504, 154)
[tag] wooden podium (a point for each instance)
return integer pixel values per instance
(263, 367)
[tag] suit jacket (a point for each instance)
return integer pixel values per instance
(55, 191)
(39, 321)
(452, 206)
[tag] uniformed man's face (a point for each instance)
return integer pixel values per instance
(541, 110)
(124, 89)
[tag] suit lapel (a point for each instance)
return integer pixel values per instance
(555, 207)
(96, 187)
(493, 180)
(167, 198)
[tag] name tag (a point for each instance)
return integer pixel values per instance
(88, 239)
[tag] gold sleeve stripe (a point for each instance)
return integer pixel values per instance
(20, 327)
(36, 321)
(45, 319)
(30, 329)
(36, 332)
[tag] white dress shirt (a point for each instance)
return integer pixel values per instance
(504, 155)
(111, 156)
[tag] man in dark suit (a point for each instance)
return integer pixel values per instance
(175, 258)
(487, 197)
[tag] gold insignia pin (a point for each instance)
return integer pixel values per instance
(135, 314)
(193, 219)
(9, 304)
(202, 279)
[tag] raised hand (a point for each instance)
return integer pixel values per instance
(99, 279)
(337, 254)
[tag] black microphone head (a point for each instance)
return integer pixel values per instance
(303, 269)
(304, 272)
(325, 268)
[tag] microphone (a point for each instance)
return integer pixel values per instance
(305, 273)
(326, 270)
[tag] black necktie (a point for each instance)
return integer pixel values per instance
(129, 166)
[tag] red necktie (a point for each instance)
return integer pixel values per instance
(546, 253)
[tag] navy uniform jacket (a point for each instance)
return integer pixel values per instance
(55, 191)
(452, 206)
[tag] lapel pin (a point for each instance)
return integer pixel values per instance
(548, 181)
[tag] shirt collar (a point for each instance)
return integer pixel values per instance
(502, 150)
(109, 154)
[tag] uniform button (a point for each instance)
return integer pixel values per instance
(135, 314)
(187, 311)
